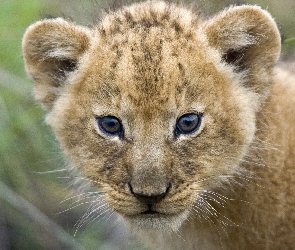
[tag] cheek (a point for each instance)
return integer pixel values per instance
(109, 163)
(214, 152)
(81, 143)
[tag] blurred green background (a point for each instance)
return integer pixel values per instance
(31, 190)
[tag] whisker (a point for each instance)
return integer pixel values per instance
(79, 178)
(77, 205)
(91, 210)
(84, 195)
(50, 171)
(83, 221)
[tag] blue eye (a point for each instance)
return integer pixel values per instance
(188, 123)
(110, 125)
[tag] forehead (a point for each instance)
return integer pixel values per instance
(149, 68)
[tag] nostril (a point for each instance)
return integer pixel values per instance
(150, 199)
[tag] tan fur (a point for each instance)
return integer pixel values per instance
(231, 184)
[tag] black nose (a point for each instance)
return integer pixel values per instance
(150, 199)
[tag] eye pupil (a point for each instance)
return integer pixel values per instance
(110, 125)
(188, 123)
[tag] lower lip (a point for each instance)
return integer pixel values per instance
(149, 212)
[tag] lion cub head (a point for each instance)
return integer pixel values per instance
(154, 105)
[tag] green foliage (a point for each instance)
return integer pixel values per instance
(290, 40)
(28, 147)
(15, 16)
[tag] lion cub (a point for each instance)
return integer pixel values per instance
(185, 124)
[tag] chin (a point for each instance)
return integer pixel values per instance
(156, 221)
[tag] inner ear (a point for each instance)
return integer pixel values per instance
(235, 57)
(68, 65)
(61, 68)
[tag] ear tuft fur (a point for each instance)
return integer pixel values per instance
(52, 49)
(248, 39)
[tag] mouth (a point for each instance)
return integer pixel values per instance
(149, 212)
(151, 219)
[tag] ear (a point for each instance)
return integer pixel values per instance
(248, 39)
(52, 50)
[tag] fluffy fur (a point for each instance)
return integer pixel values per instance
(230, 184)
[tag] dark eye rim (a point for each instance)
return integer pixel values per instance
(119, 132)
(179, 131)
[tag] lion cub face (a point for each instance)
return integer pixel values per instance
(153, 105)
